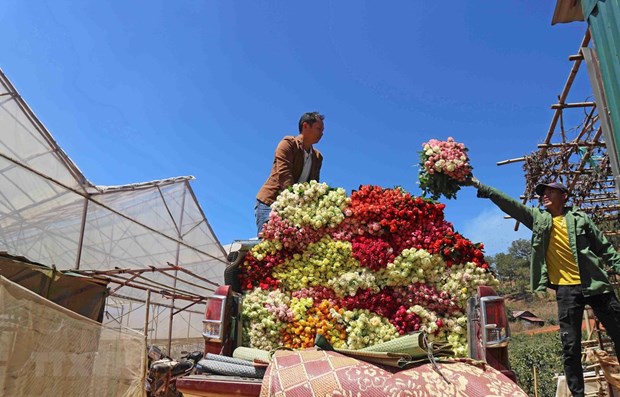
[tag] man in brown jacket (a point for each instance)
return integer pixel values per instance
(295, 161)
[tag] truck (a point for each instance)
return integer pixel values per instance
(488, 335)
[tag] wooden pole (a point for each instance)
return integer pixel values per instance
(146, 340)
(189, 323)
(147, 314)
(586, 318)
(535, 382)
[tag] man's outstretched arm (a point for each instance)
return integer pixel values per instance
(507, 204)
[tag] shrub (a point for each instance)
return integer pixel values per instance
(543, 351)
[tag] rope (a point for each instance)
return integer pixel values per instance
(431, 358)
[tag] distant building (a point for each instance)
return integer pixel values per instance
(528, 317)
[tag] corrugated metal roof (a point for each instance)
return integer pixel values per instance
(533, 319)
(567, 11)
(527, 316)
(604, 21)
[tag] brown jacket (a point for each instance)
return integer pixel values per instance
(288, 163)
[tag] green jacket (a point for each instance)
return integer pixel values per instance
(590, 247)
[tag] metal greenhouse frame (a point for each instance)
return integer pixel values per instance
(147, 238)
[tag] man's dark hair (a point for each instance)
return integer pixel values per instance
(310, 118)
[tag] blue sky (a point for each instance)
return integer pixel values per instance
(136, 91)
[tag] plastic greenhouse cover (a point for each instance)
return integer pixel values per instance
(51, 214)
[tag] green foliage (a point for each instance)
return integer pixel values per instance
(438, 184)
(542, 351)
(520, 249)
(513, 267)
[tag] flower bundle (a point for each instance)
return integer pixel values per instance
(358, 270)
(443, 166)
(311, 204)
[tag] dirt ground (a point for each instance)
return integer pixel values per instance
(542, 330)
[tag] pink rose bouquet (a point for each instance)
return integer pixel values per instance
(443, 166)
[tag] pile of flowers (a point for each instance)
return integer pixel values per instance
(358, 270)
(443, 166)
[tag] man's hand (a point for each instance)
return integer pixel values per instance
(471, 181)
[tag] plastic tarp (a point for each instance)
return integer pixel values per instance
(51, 214)
(83, 295)
(47, 350)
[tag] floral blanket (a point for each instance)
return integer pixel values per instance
(325, 373)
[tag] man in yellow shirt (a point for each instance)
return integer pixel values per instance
(561, 265)
(569, 255)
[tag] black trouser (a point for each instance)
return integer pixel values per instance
(571, 303)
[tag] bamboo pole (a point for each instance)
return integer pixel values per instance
(535, 382)
(573, 105)
(504, 162)
(567, 144)
(586, 318)
(566, 89)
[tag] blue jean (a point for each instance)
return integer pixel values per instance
(571, 303)
(261, 211)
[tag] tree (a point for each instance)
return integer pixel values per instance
(513, 267)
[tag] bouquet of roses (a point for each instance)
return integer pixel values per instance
(444, 165)
(359, 270)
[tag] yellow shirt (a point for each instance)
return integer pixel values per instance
(561, 266)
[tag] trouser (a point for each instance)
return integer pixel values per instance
(571, 303)
(261, 211)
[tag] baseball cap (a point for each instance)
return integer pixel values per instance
(540, 188)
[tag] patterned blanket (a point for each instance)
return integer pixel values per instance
(324, 373)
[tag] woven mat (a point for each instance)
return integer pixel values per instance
(402, 352)
(326, 373)
(414, 345)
